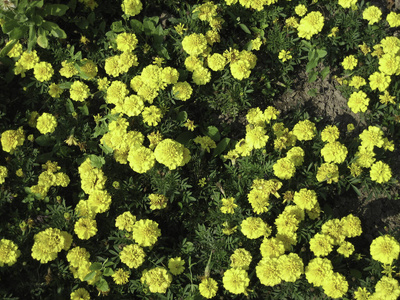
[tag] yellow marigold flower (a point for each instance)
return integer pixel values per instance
(296, 155)
(351, 226)
(364, 48)
(388, 145)
(284, 55)
(216, 62)
(256, 44)
(126, 41)
(305, 199)
(175, 265)
(77, 255)
(131, 7)
(386, 98)
(361, 294)
(112, 66)
(300, 10)
(80, 294)
(304, 130)
(169, 75)
(258, 200)
(236, 281)
(335, 285)
(132, 255)
(356, 169)
(228, 205)
(292, 22)
(334, 31)
(9, 252)
(180, 28)
(55, 91)
(284, 168)
(88, 68)
(117, 92)
(48, 243)
(19, 173)
(379, 80)
(358, 102)
(121, 276)
(28, 60)
(171, 154)
(241, 259)
(334, 152)
(146, 232)
(79, 91)
(141, 159)
(85, 228)
(158, 280)
(201, 75)
(46, 123)
(380, 172)
(212, 37)
(310, 25)
(194, 44)
(240, 69)
(43, 71)
(272, 247)
(393, 19)
(253, 228)
(100, 200)
(345, 248)
(182, 91)
(16, 50)
(256, 137)
(334, 229)
(321, 244)
(389, 64)
(103, 84)
(268, 271)
(125, 221)
(152, 115)
(158, 201)
(228, 230)
(372, 14)
(349, 62)
(371, 137)
(387, 288)
(317, 270)
(357, 82)
(291, 267)
(347, 3)
(11, 139)
(68, 69)
(330, 133)
(208, 288)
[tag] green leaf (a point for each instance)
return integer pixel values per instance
(182, 116)
(245, 28)
(7, 48)
(325, 72)
(55, 9)
(117, 26)
(90, 276)
(45, 140)
(10, 25)
(65, 86)
(54, 29)
(313, 77)
(355, 273)
(136, 25)
(18, 32)
(84, 110)
(96, 161)
(213, 133)
(356, 190)
(106, 149)
(32, 38)
(321, 53)
(108, 272)
(221, 146)
(311, 65)
(42, 38)
(148, 26)
(95, 266)
(102, 285)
